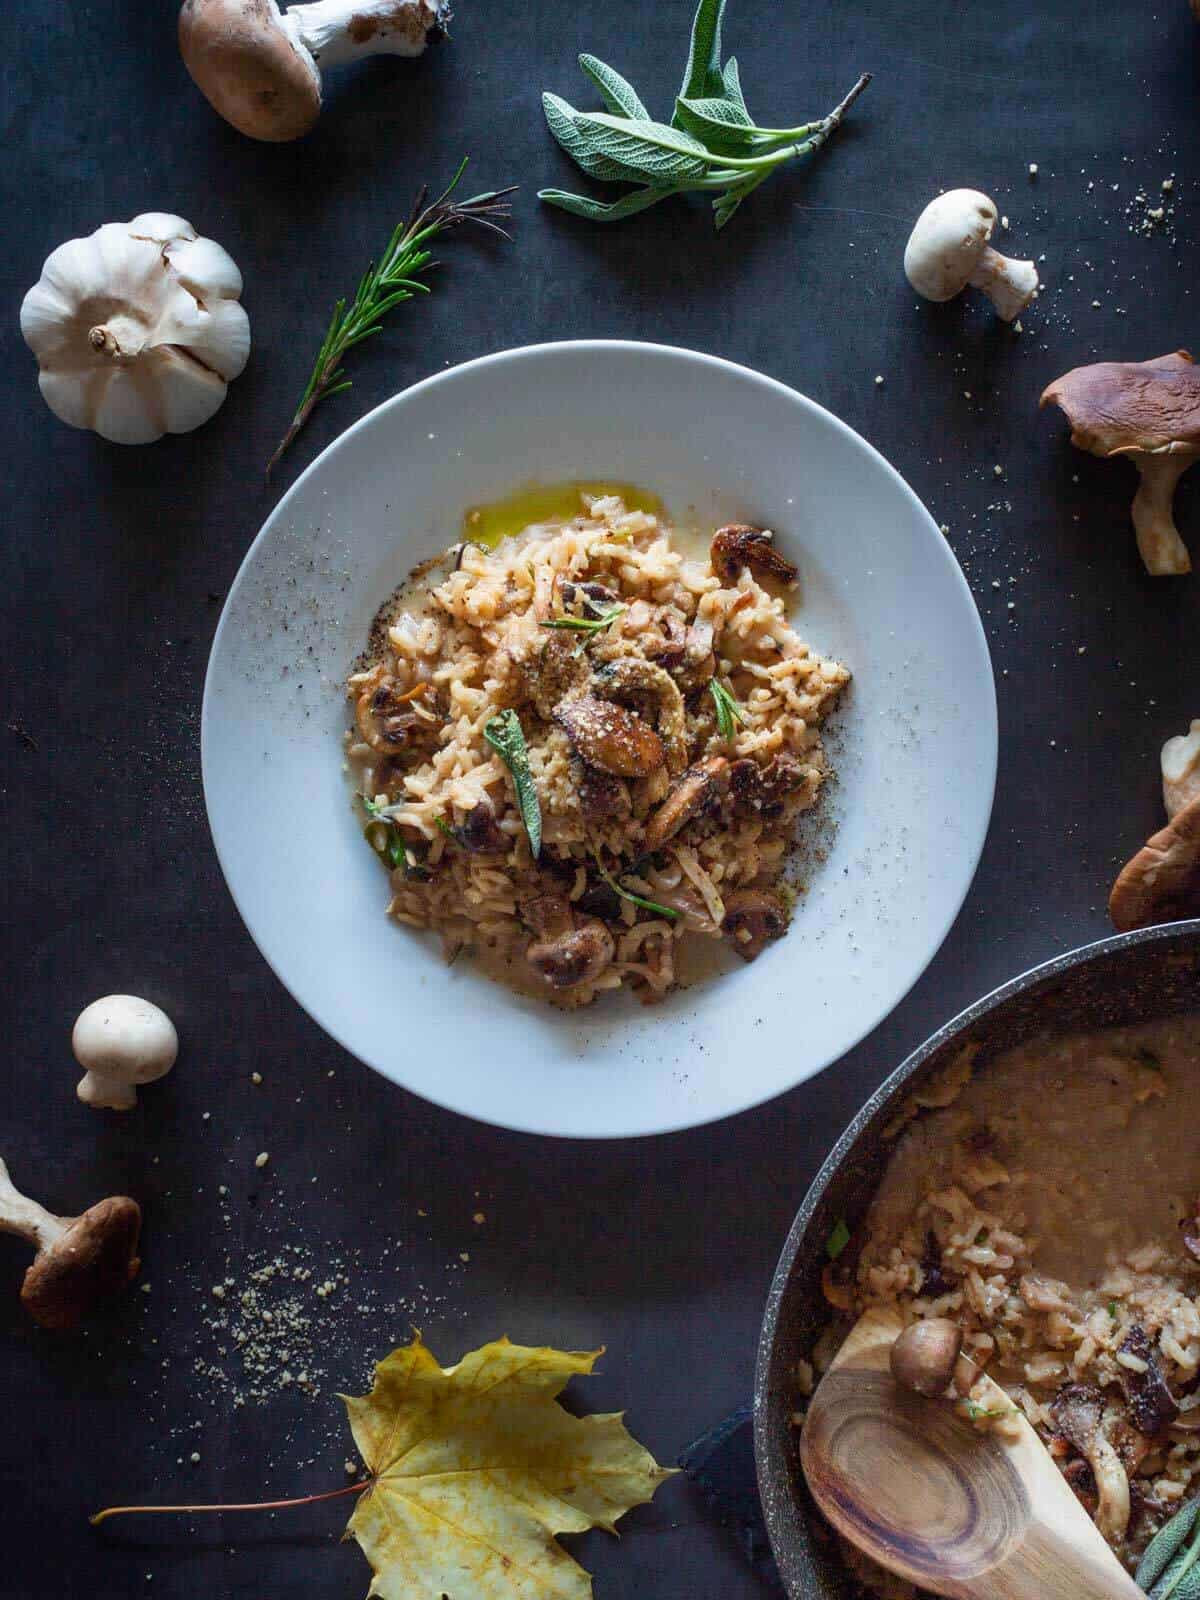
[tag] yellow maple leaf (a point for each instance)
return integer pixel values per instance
(476, 1467)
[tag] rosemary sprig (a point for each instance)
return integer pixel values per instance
(711, 145)
(589, 625)
(395, 279)
(728, 710)
(635, 899)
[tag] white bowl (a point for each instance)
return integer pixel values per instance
(914, 743)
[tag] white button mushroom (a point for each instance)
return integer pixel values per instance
(261, 68)
(949, 248)
(121, 1042)
(137, 329)
(1181, 770)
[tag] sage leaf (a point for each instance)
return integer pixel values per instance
(560, 118)
(732, 81)
(506, 736)
(620, 97)
(658, 153)
(581, 205)
(1167, 1568)
(702, 75)
(720, 126)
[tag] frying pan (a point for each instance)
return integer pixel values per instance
(1136, 977)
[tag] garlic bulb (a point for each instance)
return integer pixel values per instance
(137, 329)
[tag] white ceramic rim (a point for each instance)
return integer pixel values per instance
(939, 550)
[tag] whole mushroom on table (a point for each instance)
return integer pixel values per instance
(950, 247)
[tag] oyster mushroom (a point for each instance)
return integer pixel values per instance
(1078, 1410)
(923, 1358)
(1181, 769)
(1148, 411)
(80, 1260)
(753, 918)
(1161, 883)
(609, 737)
(697, 789)
(654, 695)
(576, 956)
(738, 545)
(950, 248)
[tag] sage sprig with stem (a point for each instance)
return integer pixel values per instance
(386, 284)
(712, 144)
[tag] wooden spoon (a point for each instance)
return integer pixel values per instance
(955, 1510)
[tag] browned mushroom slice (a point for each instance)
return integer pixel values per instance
(552, 668)
(547, 914)
(753, 918)
(700, 788)
(1162, 881)
(1078, 1410)
(94, 1258)
(609, 737)
(591, 599)
(569, 959)
(1151, 1404)
(763, 790)
(738, 545)
(1150, 412)
(665, 638)
(387, 719)
(654, 696)
(602, 796)
(480, 831)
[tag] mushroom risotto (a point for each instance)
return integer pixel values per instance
(581, 747)
(1048, 1205)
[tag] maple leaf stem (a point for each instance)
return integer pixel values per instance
(250, 1505)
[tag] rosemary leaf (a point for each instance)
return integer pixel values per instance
(506, 736)
(589, 625)
(728, 710)
(635, 899)
(387, 284)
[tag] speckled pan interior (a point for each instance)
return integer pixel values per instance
(1137, 977)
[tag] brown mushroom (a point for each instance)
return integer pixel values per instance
(548, 914)
(654, 696)
(1150, 412)
(738, 545)
(601, 796)
(577, 956)
(387, 718)
(609, 737)
(80, 1260)
(763, 790)
(261, 69)
(588, 599)
(699, 788)
(1078, 1412)
(480, 831)
(753, 917)
(924, 1356)
(1151, 1404)
(552, 668)
(1161, 883)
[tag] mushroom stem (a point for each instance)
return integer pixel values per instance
(26, 1218)
(337, 31)
(1158, 541)
(1009, 284)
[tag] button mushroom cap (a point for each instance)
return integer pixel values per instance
(924, 1356)
(696, 789)
(1161, 883)
(570, 959)
(607, 736)
(753, 917)
(1150, 412)
(1181, 769)
(80, 1260)
(949, 248)
(121, 1041)
(261, 68)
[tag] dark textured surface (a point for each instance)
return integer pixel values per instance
(115, 562)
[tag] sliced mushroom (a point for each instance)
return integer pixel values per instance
(923, 1358)
(1148, 411)
(753, 918)
(654, 695)
(551, 669)
(480, 831)
(609, 737)
(1151, 1404)
(763, 790)
(738, 545)
(699, 788)
(601, 796)
(1078, 1410)
(548, 914)
(387, 719)
(1161, 883)
(569, 959)
(664, 639)
(593, 599)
